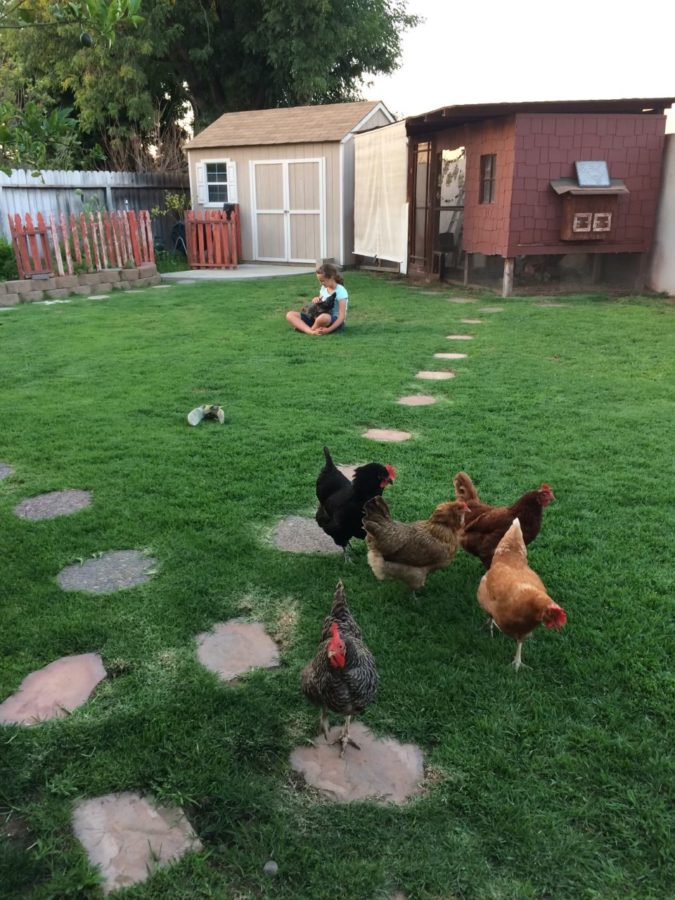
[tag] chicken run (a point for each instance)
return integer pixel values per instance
(342, 677)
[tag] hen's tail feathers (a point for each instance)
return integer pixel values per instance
(375, 508)
(513, 541)
(329, 458)
(339, 602)
(464, 487)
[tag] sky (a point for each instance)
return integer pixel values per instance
(483, 51)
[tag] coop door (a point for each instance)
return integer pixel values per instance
(288, 210)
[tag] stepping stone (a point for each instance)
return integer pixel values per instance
(232, 648)
(417, 400)
(160, 286)
(298, 534)
(449, 355)
(99, 296)
(129, 837)
(49, 302)
(386, 434)
(349, 470)
(472, 321)
(7, 308)
(461, 300)
(187, 281)
(113, 571)
(435, 376)
(460, 337)
(56, 503)
(5, 471)
(552, 305)
(491, 309)
(54, 691)
(382, 770)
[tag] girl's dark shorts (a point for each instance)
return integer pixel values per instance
(310, 322)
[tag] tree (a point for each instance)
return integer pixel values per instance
(214, 56)
(37, 130)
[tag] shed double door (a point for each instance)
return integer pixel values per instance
(288, 210)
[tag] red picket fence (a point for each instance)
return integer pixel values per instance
(213, 238)
(97, 240)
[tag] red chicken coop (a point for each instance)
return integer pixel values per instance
(535, 192)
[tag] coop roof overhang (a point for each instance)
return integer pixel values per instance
(570, 186)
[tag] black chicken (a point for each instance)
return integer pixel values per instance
(342, 676)
(341, 501)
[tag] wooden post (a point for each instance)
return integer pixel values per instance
(641, 275)
(507, 282)
(596, 271)
(468, 265)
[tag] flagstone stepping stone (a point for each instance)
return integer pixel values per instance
(187, 281)
(461, 300)
(459, 337)
(7, 308)
(449, 355)
(552, 305)
(49, 302)
(435, 376)
(491, 309)
(382, 770)
(56, 503)
(234, 647)
(99, 296)
(349, 470)
(298, 534)
(129, 837)
(5, 471)
(113, 571)
(417, 400)
(160, 286)
(471, 321)
(386, 434)
(54, 691)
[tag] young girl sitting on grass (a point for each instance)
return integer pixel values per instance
(325, 323)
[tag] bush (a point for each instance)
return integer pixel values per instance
(8, 269)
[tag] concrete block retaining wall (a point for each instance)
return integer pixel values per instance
(28, 290)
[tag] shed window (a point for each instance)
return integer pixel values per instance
(488, 172)
(217, 182)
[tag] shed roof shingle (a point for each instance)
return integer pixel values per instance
(286, 125)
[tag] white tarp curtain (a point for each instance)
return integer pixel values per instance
(380, 181)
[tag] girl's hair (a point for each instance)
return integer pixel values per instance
(330, 271)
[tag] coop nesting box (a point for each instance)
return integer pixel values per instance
(589, 202)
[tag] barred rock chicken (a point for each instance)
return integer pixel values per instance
(513, 595)
(342, 676)
(341, 501)
(409, 552)
(486, 525)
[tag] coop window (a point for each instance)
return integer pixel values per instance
(217, 182)
(488, 172)
(602, 222)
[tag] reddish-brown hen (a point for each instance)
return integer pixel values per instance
(486, 525)
(513, 595)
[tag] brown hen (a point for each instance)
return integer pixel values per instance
(486, 525)
(342, 676)
(408, 552)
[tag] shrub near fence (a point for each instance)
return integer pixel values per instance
(93, 241)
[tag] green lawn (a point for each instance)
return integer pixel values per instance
(556, 782)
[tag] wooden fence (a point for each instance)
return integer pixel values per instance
(213, 238)
(96, 241)
(73, 192)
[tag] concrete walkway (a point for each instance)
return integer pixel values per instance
(244, 271)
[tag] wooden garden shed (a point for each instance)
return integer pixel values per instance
(291, 172)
